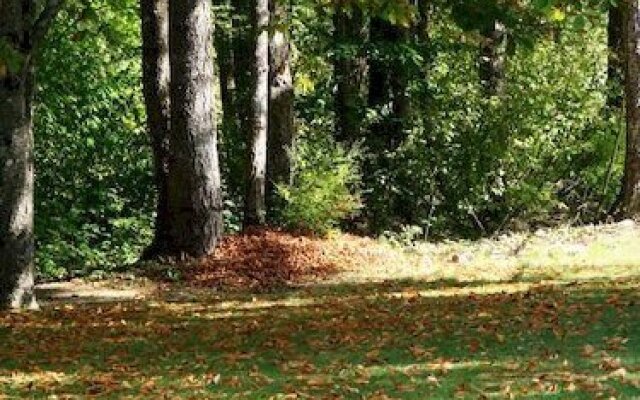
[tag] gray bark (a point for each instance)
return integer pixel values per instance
(156, 86)
(253, 78)
(281, 107)
(21, 33)
(630, 204)
(350, 69)
(493, 58)
(195, 201)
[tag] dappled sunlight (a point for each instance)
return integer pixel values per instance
(400, 338)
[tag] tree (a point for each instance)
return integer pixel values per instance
(156, 90)
(252, 66)
(281, 112)
(492, 57)
(22, 30)
(194, 195)
(350, 70)
(630, 199)
(615, 67)
(388, 96)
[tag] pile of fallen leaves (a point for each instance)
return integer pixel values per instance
(262, 259)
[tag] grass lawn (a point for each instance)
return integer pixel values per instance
(565, 335)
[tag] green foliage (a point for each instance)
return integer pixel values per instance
(95, 194)
(547, 149)
(543, 151)
(324, 191)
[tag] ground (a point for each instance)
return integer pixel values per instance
(551, 314)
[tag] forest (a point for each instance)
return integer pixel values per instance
(286, 199)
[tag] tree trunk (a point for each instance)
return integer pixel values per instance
(252, 59)
(195, 202)
(493, 58)
(281, 111)
(388, 84)
(156, 82)
(21, 34)
(16, 194)
(225, 59)
(350, 70)
(615, 64)
(389, 97)
(630, 204)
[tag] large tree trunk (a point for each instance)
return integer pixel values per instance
(350, 70)
(16, 193)
(252, 59)
(21, 33)
(156, 80)
(493, 58)
(281, 107)
(195, 201)
(615, 64)
(630, 204)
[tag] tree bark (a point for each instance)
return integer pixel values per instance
(388, 84)
(195, 201)
(281, 107)
(21, 33)
(350, 70)
(253, 78)
(493, 58)
(388, 95)
(225, 59)
(16, 195)
(615, 63)
(630, 203)
(156, 90)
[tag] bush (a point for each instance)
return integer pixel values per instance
(324, 188)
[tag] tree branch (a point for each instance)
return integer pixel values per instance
(43, 22)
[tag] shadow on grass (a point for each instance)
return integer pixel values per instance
(406, 339)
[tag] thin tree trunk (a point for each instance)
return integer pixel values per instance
(21, 34)
(252, 59)
(226, 66)
(388, 90)
(281, 107)
(630, 204)
(233, 146)
(615, 64)
(156, 85)
(350, 70)
(493, 58)
(195, 201)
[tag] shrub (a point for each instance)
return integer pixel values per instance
(324, 191)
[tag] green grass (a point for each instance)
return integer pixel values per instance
(403, 339)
